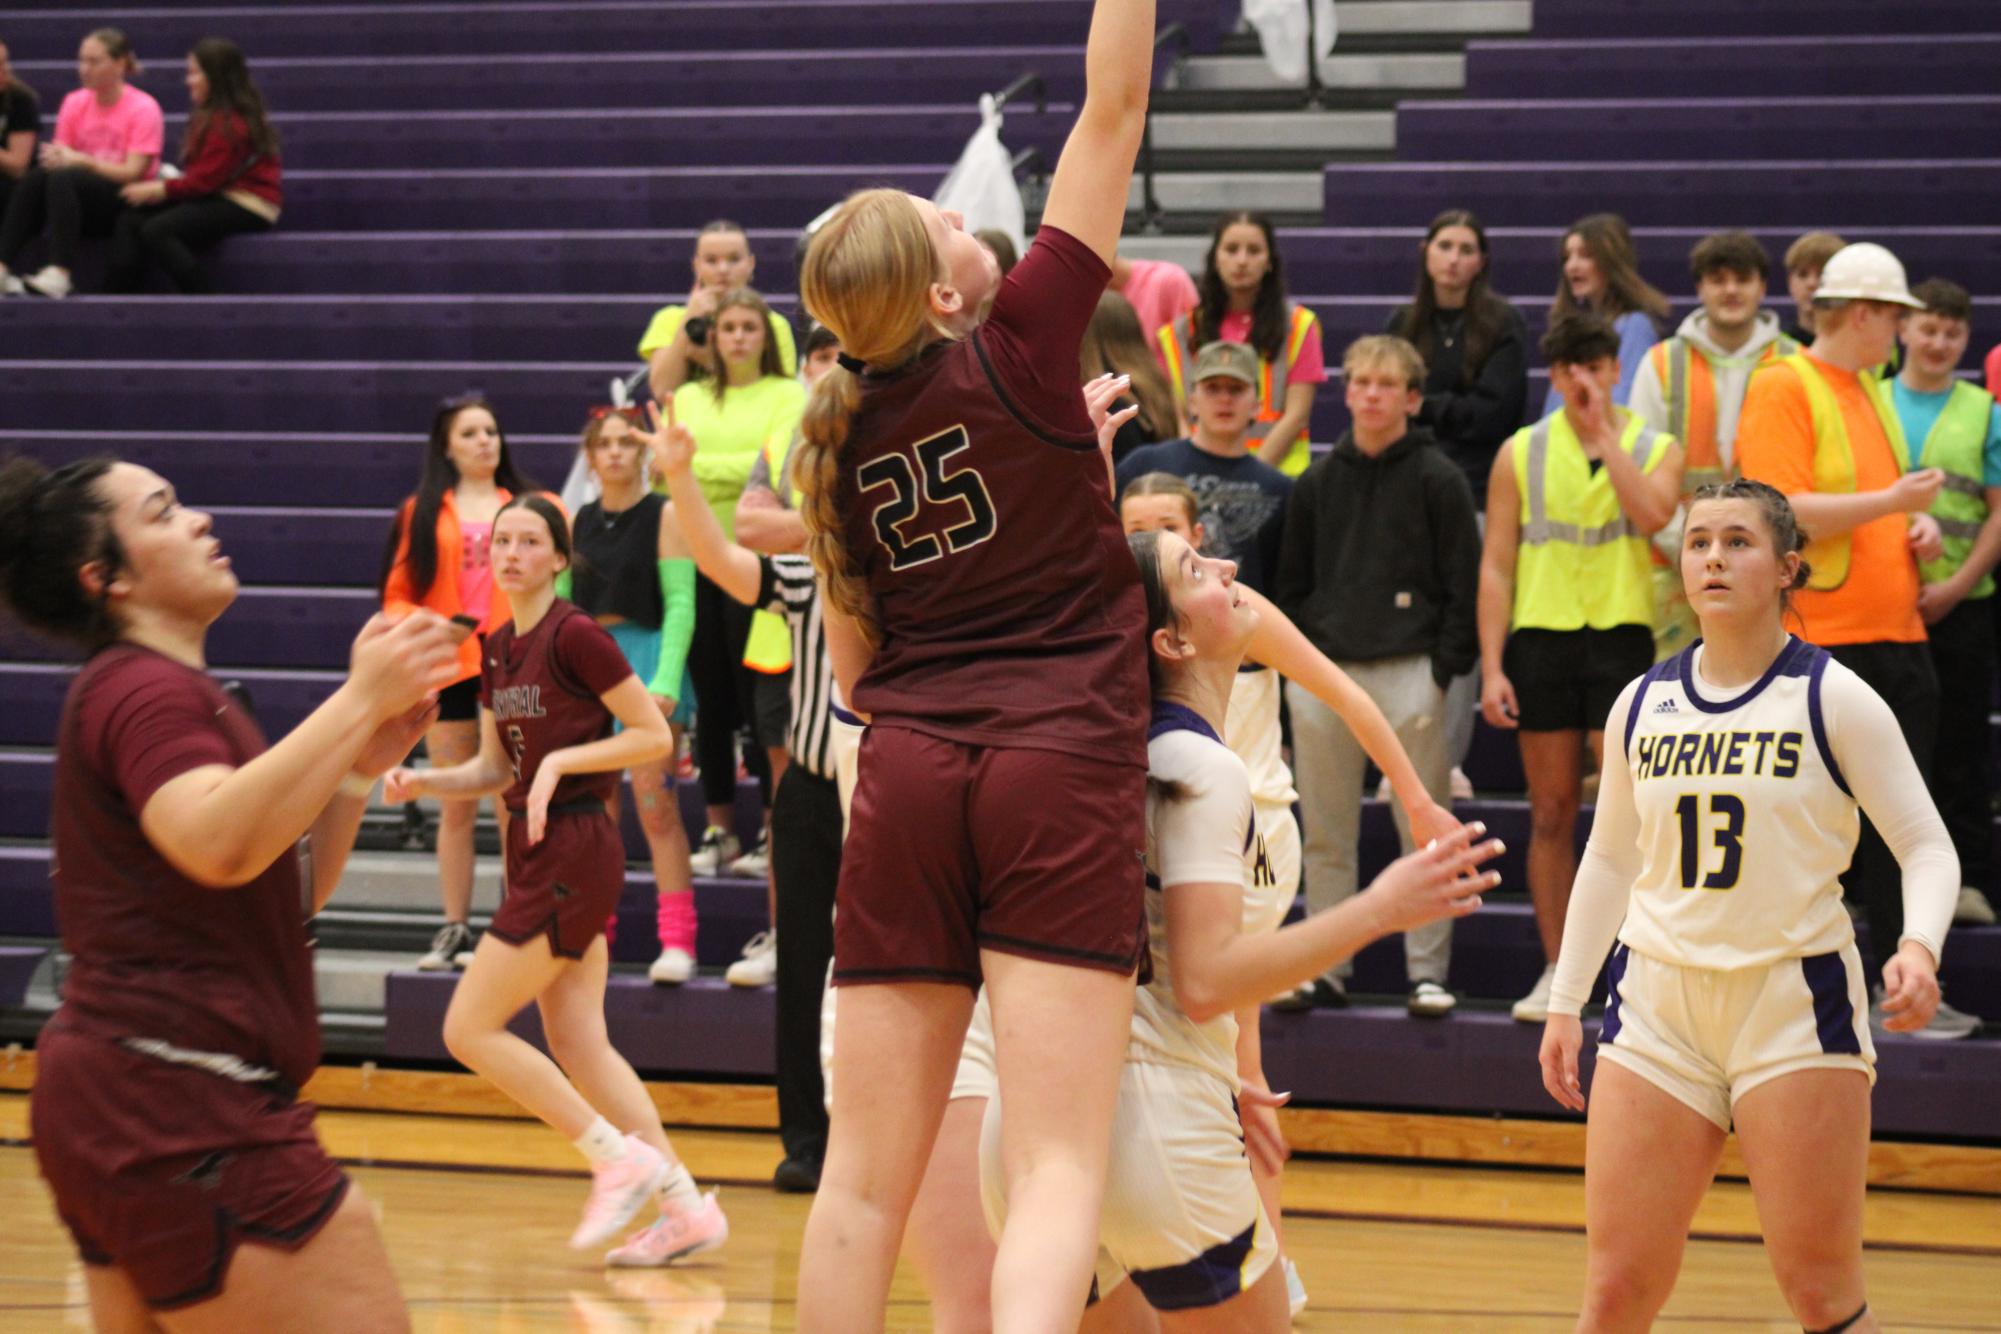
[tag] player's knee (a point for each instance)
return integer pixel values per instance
(1623, 1293)
(1552, 817)
(1821, 1294)
(462, 1036)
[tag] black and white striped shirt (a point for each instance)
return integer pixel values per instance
(788, 590)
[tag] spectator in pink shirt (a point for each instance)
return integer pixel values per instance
(108, 135)
(1160, 292)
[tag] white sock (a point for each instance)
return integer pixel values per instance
(679, 1192)
(601, 1143)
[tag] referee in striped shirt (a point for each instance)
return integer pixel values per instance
(806, 810)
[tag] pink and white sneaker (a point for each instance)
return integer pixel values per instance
(676, 1235)
(618, 1190)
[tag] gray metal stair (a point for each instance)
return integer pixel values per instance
(1228, 135)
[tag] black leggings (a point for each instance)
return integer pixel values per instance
(72, 203)
(171, 236)
(805, 868)
(722, 694)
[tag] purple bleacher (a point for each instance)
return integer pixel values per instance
(513, 84)
(1646, 18)
(1481, 1062)
(27, 901)
(17, 968)
(343, 328)
(1689, 67)
(35, 690)
(267, 31)
(756, 196)
(290, 396)
(650, 137)
(514, 328)
(1347, 260)
(704, 1027)
(286, 261)
(1656, 129)
(291, 627)
(1689, 193)
(257, 467)
(1477, 1062)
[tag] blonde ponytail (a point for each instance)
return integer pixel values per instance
(816, 471)
(867, 277)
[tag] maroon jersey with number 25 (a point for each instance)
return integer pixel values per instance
(981, 511)
(543, 688)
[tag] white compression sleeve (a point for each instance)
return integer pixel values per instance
(1605, 874)
(1869, 747)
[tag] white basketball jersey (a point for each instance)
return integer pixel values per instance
(1251, 729)
(1745, 818)
(1201, 828)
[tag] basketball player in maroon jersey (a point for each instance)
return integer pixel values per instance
(551, 682)
(985, 612)
(187, 855)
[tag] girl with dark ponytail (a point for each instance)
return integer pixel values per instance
(229, 181)
(186, 851)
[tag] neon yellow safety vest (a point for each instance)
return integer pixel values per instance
(768, 647)
(1581, 562)
(1834, 459)
(1271, 387)
(1957, 445)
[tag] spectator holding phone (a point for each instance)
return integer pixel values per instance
(676, 345)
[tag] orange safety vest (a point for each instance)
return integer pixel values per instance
(1688, 387)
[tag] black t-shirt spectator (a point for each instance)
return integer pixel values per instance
(1240, 502)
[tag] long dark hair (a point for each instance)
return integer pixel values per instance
(1160, 613)
(230, 88)
(1609, 241)
(52, 524)
(1487, 314)
(1269, 320)
(440, 476)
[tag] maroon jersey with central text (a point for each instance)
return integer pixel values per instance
(159, 959)
(981, 510)
(543, 688)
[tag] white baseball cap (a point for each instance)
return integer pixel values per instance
(1865, 272)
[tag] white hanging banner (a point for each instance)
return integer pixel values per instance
(981, 184)
(1281, 29)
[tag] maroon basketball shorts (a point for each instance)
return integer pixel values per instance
(956, 848)
(566, 885)
(163, 1170)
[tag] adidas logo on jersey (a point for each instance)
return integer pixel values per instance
(1667, 706)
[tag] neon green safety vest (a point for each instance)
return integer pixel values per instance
(1581, 562)
(768, 647)
(1834, 459)
(1957, 446)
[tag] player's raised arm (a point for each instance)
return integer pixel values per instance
(1087, 198)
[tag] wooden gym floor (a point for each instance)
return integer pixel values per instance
(476, 1212)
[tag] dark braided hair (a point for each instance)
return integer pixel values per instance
(52, 524)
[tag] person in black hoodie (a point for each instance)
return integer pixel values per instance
(1379, 565)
